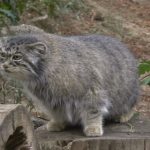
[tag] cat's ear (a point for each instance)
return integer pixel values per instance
(38, 47)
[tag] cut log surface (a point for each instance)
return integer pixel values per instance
(134, 135)
(16, 133)
(16, 130)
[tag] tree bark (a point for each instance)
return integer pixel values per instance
(16, 130)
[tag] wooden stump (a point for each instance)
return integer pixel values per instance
(16, 130)
(16, 133)
(134, 135)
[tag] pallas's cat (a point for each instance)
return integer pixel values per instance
(74, 80)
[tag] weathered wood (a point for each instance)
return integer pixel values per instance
(16, 129)
(134, 135)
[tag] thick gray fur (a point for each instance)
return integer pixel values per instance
(78, 79)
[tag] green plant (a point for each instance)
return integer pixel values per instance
(10, 10)
(56, 7)
(144, 71)
(52, 6)
(74, 5)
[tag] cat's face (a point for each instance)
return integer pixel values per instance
(21, 57)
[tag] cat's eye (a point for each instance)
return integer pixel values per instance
(17, 57)
(2, 54)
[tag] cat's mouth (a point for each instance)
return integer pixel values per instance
(8, 72)
(5, 70)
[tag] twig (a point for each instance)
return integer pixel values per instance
(39, 18)
(145, 76)
(132, 128)
(42, 118)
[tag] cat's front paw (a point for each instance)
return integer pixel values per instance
(93, 130)
(54, 126)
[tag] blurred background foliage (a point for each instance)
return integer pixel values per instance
(144, 71)
(11, 10)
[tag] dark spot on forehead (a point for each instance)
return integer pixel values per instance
(20, 40)
(7, 49)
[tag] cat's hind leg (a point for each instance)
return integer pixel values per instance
(126, 117)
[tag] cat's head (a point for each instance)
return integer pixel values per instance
(22, 57)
